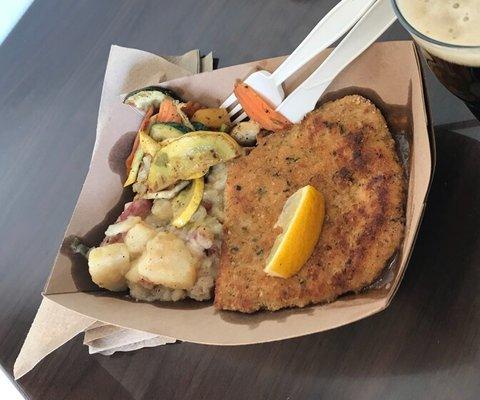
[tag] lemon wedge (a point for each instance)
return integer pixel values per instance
(301, 221)
(186, 203)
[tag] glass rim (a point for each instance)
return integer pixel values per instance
(421, 35)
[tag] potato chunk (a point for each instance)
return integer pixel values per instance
(137, 237)
(108, 265)
(168, 261)
(122, 226)
(162, 209)
(246, 133)
(133, 275)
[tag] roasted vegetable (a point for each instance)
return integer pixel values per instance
(78, 247)
(162, 131)
(185, 120)
(213, 118)
(148, 145)
(196, 175)
(134, 167)
(246, 133)
(259, 110)
(149, 96)
(167, 194)
(143, 125)
(168, 112)
(224, 128)
(182, 128)
(190, 107)
(192, 154)
(187, 202)
(198, 126)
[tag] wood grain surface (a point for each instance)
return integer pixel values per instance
(425, 345)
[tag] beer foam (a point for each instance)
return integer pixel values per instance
(455, 22)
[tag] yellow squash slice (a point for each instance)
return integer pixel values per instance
(214, 118)
(187, 202)
(190, 155)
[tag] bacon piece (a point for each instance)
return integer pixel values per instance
(137, 208)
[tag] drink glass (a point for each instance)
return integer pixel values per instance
(457, 67)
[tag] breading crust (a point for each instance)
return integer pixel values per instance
(345, 150)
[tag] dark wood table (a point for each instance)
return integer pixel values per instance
(426, 345)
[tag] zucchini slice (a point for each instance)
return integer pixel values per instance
(198, 126)
(180, 127)
(150, 95)
(161, 131)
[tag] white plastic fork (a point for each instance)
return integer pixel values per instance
(304, 98)
(333, 26)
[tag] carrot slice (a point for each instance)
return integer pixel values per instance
(191, 107)
(146, 119)
(258, 109)
(143, 125)
(129, 160)
(168, 112)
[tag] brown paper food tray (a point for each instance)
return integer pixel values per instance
(388, 73)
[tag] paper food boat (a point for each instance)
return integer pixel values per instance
(387, 73)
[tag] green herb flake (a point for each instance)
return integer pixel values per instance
(261, 191)
(292, 159)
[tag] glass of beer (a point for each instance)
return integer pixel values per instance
(448, 32)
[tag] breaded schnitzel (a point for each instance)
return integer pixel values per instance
(343, 149)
